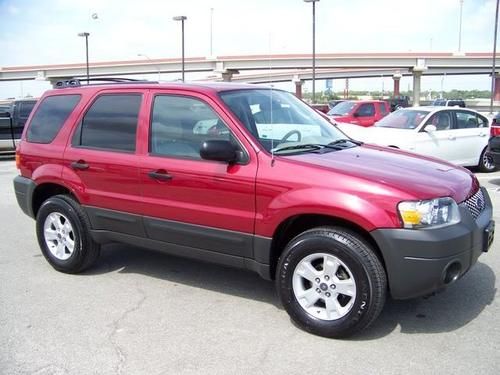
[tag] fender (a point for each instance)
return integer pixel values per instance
(361, 210)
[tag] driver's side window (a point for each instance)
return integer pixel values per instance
(441, 120)
(366, 110)
(179, 125)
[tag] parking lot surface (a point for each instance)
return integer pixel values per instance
(139, 312)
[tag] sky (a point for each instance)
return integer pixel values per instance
(45, 32)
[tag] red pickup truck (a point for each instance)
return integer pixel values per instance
(360, 112)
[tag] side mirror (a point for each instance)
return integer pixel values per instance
(430, 128)
(355, 114)
(5, 114)
(219, 150)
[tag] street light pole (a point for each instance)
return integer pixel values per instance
(460, 27)
(211, 31)
(182, 19)
(313, 48)
(493, 67)
(86, 36)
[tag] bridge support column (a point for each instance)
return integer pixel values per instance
(396, 78)
(417, 75)
(298, 87)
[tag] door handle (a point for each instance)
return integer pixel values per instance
(451, 137)
(160, 175)
(482, 134)
(80, 164)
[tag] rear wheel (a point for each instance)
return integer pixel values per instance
(330, 282)
(486, 163)
(63, 235)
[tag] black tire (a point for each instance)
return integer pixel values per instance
(85, 251)
(364, 265)
(486, 166)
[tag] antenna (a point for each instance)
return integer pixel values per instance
(271, 98)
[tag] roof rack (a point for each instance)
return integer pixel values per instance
(76, 82)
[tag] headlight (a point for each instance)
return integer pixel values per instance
(430, 213)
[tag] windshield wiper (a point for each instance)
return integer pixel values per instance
(305, 147)
(345, 140)
(335, 145)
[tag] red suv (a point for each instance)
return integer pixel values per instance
(253, 178)
(360, 112)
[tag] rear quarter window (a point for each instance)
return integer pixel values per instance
(50, 116)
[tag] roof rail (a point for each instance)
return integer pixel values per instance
(76, 82)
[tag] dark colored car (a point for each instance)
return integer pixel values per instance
(494, 142)
(13, 117)
(449, 103)
(333, 103)
(398, 102)
(253, 178)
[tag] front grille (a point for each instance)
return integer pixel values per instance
(475, 204)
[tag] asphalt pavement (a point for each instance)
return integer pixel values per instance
(140, 312)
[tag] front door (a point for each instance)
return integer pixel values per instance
(440, 143)
(189, 201)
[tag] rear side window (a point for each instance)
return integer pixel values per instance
(50, 117)
(382, 108)
(110, 123)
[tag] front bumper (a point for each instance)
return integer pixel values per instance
(418, 262)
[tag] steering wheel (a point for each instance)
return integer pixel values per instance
(289, 134)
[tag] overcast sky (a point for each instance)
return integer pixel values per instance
(45, 32)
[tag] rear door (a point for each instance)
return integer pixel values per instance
(471, 132)
(188, 201)
(101, 161)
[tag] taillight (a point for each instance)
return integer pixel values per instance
(18, 160)
(495, 130)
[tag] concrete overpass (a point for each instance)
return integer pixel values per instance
(331, 65)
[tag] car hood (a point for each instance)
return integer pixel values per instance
(419, 176)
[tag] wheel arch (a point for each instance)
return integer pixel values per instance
(294, 225)
(46, 190)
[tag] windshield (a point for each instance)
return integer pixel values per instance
(282, 123)
(403, 119)
(342, 109)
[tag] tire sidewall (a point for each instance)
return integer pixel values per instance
(57, 205)
(482, 166)
(301, 248)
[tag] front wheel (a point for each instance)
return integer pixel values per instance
(486, 163)
(331, 282)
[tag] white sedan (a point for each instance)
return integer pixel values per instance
(457, 135)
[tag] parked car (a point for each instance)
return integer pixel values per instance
(333, 103)
(12, 120)
(459, 136)
(449, 103)
(494, 141)
(398, 102)
(249, 177)
(360, 112)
